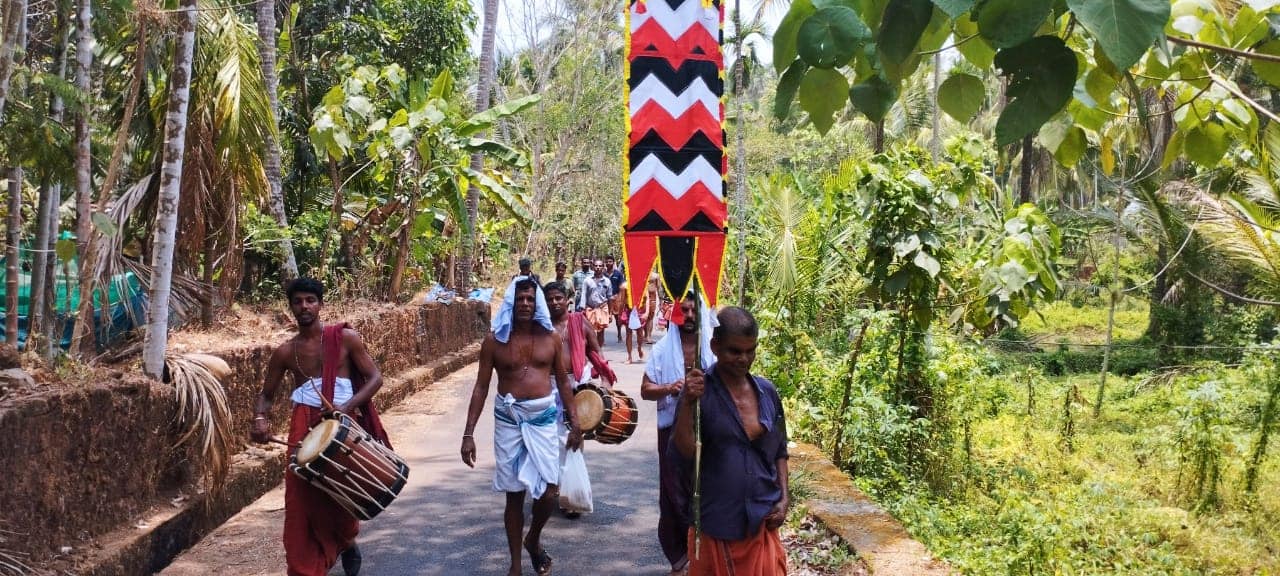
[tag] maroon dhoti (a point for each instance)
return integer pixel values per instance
(316, 529)
(673, 528)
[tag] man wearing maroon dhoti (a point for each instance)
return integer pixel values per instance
(316, 529)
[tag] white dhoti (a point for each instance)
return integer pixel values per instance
(526, 445)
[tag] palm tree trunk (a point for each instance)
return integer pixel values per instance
(468, 247)
(50, 194)
(84, 183)
(157, 337)
(15, 40)
(12, 238)
(15, 21)
(271, 162)
(740, 154)
(84, 61)
(126, 119)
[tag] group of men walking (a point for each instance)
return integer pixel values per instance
(604, 296)
(542, 346)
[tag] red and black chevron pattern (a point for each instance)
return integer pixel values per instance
(674, 211)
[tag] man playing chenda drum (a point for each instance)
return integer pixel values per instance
(526, 352)
(329, 362)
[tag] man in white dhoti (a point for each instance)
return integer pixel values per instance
(682, 349)
(526, 352)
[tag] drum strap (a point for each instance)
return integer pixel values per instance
(332, 347)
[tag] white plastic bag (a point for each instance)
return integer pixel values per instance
(575, 486)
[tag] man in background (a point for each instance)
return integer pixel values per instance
(526, 270)
(617, 305)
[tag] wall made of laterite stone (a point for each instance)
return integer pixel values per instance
(80, 460)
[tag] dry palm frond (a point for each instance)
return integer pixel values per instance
(203, 409)
(11, 562)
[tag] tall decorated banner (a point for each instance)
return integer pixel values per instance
(674, 210)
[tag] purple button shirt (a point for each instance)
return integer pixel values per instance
(739, 477)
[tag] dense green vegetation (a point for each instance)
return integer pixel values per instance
(1015, 260)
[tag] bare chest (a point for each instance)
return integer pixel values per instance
(525, 352)
(748, 406)
(308, 361)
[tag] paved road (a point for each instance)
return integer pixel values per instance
(447, 521)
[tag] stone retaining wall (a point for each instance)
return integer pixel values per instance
(878, 538)
(82, 460)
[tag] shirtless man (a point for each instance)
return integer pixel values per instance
(324, 361)
(572, 327)
(526, 352)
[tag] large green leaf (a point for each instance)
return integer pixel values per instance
(1042, 74)
(784, 38)
(971, 45)
(1206, 144)
(1008, 23)
(1072, 147)
(822, 94)
(961, 96)
(954, 8)
(498, 150)
(900, 29)
(1269, 71)
(831, 36)
(788, 84)
(484, 120)
(499, 194)
(1126, 29)
(873, 97)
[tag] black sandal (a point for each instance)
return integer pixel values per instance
(541, 560)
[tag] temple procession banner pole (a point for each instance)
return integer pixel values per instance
(674, 213)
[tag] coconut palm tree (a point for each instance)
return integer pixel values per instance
(1244, 226)
(84, 64)
(271, 161)
(157, 335)
(483, 85)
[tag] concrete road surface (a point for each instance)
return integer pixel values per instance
(448, 519)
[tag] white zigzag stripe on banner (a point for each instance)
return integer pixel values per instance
(678, 21)
(651, 88)
(651, 168)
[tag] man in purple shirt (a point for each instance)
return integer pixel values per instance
(744, 457)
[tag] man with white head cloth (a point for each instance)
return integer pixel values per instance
(526, 352)
(679, 351)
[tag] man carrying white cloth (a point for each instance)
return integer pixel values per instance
(525, 351)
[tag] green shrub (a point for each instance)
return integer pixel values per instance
(1125, 360)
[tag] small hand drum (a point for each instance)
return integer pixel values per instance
(342, 460)
(606, 415)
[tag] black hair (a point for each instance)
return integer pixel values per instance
(305, 285)
(526, 284)
(552, 286)
(691, 296)
(736, 321)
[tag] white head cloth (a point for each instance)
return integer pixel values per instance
(666, 363)
(502, 321)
